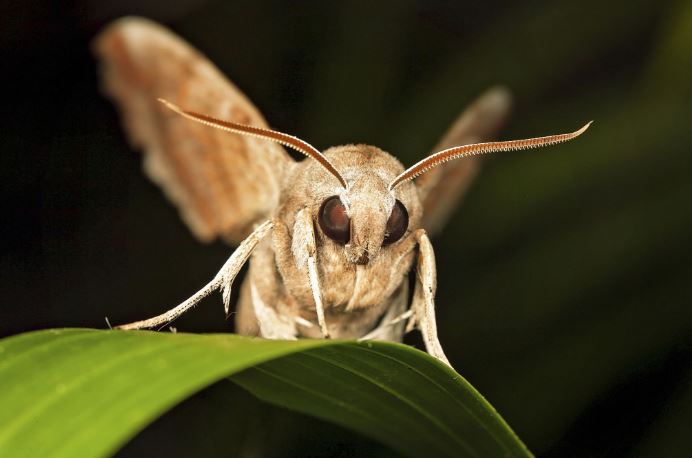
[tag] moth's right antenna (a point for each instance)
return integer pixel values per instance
(267, 134)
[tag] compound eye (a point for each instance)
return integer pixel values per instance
(396, 224)
(334, 221)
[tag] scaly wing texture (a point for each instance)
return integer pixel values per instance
(442, 188)
(222, 183)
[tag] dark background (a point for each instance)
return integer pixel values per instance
(565, 279)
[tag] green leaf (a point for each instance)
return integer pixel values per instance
(79, 392)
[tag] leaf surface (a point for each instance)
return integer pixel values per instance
(80, 392)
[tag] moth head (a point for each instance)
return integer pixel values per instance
(365, 217)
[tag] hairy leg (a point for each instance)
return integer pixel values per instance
(423, 305)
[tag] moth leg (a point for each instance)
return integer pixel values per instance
(382, 331)
(222, 280)
(391, 326)
(305, 252)
(317, 296)
(423, 305)
(271, 324)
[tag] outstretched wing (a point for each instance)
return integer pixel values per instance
(442, 188)
(221, 183)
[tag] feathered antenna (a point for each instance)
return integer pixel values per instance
(267, 134)
(481, 148)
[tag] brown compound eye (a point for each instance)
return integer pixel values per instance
(396, 224)
(334, 221)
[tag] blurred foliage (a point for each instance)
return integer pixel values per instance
(564, 280)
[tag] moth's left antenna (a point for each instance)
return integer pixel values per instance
(287, 140)
(476, 149)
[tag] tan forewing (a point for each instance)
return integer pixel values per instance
(222, 183)
(442, 188)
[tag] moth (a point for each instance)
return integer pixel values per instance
(331, 239)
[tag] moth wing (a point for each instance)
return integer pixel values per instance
(221, 183)
(441, 189)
